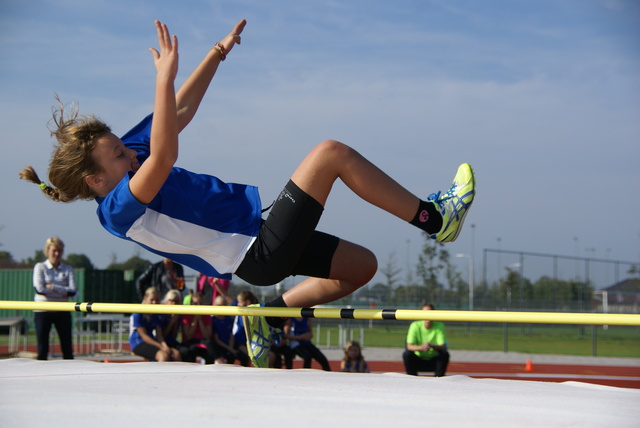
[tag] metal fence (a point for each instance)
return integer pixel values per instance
(525, 281)
(108, 286)
(508, 281)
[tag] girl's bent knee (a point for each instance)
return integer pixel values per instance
(353, 263)
(334, 148)
(367, 269)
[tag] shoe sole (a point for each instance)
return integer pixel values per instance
(248, 332)
(464, 216)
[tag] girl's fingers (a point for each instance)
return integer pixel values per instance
(159, 30)
(238, 30)
(166, 42)
(239, 27)
(175, 42)
(164, 39)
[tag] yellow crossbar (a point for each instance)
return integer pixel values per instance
(336, 313)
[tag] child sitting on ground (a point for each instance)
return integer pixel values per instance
(353, 361)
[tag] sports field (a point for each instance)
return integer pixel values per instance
(539, 339)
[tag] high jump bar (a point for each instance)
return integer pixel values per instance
(334, 313)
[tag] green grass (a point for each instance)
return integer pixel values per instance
(558, 340)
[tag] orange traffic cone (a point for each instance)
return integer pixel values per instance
(106, 360)
(528, 367)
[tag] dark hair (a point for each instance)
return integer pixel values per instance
(248, 296)
(197, 296)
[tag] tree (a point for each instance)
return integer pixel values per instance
(79, 261)
(135, 263)
(509, 289)
(432, 260)
(458, 289)
(7, 262)
(38, 256)
(380, 293)
(558, 294)
(390, 271)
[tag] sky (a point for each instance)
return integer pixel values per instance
(541, 97)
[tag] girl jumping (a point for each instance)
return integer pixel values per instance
(217, 228)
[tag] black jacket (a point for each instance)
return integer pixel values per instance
(157, 276)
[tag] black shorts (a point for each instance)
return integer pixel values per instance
(287, 243)
(146, 350)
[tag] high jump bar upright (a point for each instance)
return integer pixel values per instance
(336, 313)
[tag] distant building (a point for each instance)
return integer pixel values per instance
(623, 297)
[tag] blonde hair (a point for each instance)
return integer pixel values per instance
(151, 291)
(71, 161)
(172, 295)
(54, 240)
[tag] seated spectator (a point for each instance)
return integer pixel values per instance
(353, 361)
(280, 350)
(146, 338)
(223, 338)
(171, 323)
(196, 335)
(426, 349)
(299, 333)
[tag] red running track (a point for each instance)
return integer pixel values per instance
(618, 376)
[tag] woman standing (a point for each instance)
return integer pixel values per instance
(53, 281)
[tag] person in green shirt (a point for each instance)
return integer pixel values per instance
(426, 348)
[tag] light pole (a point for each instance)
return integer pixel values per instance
(466, 256)
(577, 241)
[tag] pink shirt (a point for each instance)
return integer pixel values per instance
(188, 319)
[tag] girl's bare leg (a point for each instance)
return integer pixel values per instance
(352, 267)
(331, 160)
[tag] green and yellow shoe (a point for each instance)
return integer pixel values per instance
(258, 338)
(454, 205)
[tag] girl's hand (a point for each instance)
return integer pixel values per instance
(233, 37)
(166, 61)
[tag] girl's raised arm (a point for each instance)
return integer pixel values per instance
(192, 91)
(148, 180)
